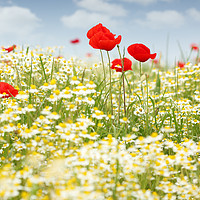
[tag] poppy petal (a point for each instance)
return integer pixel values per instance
(8, 89)
(117, 64)
(107, 45)
(152, 56)
(140, 52)
(98, 28)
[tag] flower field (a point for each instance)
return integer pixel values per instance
(88, 131)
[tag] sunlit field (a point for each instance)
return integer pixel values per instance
(79, 130)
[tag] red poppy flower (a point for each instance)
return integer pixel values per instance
(75, 41)
(181, 64)
(117, 64)
(104, 41)
(9, 49)
(140, 52)
(194, 47)
(98, 28)
(7, 90)
(101, 38)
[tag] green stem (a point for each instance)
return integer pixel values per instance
(18, 77)
(52, 69)
(31, 73)
(43, 69)
(104, 73)
(124, 92)
(27, 50)
(140, 66)
(129, 88)
(147, 114)
(176, 81)
(119, 106)
(110, 84)
(30, 80)
(82, 79)
(197, 58)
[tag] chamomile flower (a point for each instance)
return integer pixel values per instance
(46, 110)
(98, 114)
(168, 129)
(53, 98)
(124, 120)
(53, 115)
(29, 108)
(89, 100)
(22, 95)
(139, 111)
(33, 89)
(74, 81)
(66, 93)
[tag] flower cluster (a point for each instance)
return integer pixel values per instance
(60, 140)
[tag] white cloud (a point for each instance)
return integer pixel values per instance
(143, 2)
(17, 21)
(102, 6)
(85, 19)
(162, 19)
(194, 13)
(92, 12)
(146, 2)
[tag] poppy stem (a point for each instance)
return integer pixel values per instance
(104, 73)
(124, 92)
(110, 83)
(120, 85)
(140, 65)
(147, 114)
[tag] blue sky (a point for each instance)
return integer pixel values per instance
(156, 23)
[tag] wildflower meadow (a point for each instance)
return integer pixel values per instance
(118, 129)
